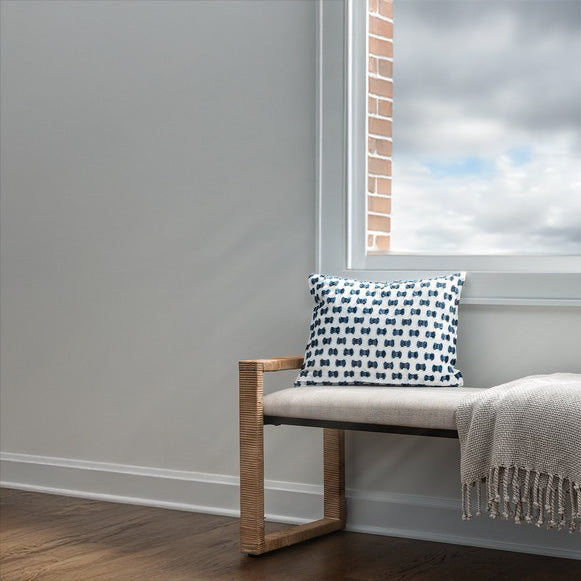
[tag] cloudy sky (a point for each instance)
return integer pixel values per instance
(487, 126)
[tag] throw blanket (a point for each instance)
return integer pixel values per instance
(520, 445)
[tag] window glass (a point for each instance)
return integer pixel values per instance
(486, 127)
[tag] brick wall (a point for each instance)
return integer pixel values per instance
(380, 107)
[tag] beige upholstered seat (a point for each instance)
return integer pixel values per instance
(421, 407)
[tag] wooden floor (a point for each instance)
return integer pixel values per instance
(56, 538)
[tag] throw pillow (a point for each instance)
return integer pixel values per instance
(398, 333)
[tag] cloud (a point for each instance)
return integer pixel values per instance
(487, 126)
(522, 208)
(513, 64)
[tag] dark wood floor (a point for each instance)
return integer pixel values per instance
(56, 538)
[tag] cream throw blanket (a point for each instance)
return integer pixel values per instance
(520, 444)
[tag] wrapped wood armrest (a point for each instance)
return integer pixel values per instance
(277, 364)
(253, 537)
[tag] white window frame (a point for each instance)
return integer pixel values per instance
(341, 184)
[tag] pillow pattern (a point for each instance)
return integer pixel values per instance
(398, 333)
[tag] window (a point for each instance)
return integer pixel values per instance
(348, 199)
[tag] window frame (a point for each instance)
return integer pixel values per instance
(341, 188)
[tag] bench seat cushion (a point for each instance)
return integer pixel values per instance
(418, 407)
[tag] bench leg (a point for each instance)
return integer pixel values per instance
(253, 540)
(252, 537)
(334, 475)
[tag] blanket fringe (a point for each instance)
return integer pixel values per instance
(525, 496)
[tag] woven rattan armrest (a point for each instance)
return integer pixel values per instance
(277, 364)
(253, 540)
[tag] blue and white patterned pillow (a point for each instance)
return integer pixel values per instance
(398, 333)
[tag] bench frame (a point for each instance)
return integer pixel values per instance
(253, 538)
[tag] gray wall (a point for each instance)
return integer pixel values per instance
(158, 198)
(158, 203)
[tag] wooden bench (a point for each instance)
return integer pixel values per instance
(420, 411)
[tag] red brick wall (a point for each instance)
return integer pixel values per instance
(380, 107)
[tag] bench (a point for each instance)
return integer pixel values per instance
(425, 411)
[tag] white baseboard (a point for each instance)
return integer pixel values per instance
(399, 515)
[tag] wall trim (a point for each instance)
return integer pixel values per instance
(410, 516)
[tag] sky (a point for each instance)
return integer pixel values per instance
(487, 126)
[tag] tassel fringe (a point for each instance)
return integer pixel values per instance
(525, 496)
